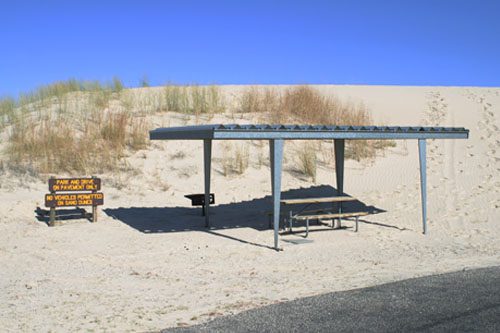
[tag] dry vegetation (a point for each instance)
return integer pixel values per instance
(69, 127)
(7, 107)
(307, 159)
(302, 105)
(80, 127)
(194, 99)
(305, 105)
(235, 158)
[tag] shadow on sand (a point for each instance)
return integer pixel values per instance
(42, 215)
(246, 214)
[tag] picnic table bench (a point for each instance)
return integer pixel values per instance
(320, 214)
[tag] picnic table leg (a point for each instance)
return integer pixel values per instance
(339, 172)
(207, 161)
(276, 152)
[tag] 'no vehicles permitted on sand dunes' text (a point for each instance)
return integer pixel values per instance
(74, 199)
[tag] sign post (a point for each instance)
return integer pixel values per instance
(94, 207)
(52, 218)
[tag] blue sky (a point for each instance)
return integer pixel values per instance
(250, 42)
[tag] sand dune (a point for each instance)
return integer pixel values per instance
(149, 263)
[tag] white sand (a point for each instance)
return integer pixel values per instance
(112, 276)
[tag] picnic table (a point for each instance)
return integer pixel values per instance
(319, 214)
(317, 200)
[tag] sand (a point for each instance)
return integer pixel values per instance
(149, 263)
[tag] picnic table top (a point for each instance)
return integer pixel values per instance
(316, 200)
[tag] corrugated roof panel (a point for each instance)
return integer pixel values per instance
(279, 127)
(301, 131)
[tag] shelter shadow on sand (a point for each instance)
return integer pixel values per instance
(245, 214)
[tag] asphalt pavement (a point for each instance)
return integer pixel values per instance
(465, 301)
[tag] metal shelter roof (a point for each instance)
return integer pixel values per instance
(291, 132)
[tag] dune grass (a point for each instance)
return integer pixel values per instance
(306, 105)
(87, 127)
(302, 104)
(194, 99)
(307, 159)
(235, 158)
(68, 127)
(55, 145)
(58, 91)
(7, 107)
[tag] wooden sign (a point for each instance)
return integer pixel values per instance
(91, 198)
(74, 199)
(74, 184)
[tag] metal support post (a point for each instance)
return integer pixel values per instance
(339, 173)
(423, 181)
(276, 155)
(207, 161)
